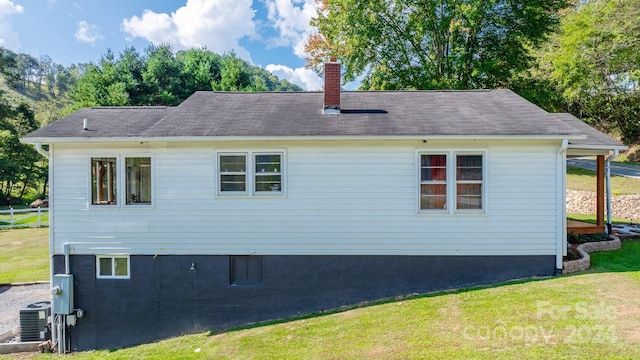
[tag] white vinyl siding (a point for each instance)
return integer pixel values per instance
(342, 198)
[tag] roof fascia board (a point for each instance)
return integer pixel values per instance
(307, 138)
(598, 147)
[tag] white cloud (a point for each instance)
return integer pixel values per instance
(306, 78)
(8, 37)
(87, 33)
(216, 24)
(291, 19)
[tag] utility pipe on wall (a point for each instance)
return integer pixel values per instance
(561, 195)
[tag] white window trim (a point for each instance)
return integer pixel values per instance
(219, 173)
(123, 180)
(452, 181)
(254, 175)
(118, 203)
(121, 186)
(483, 189)
(250, 175)
(445, 210)
(113, 257)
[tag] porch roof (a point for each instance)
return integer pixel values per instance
(596, 143)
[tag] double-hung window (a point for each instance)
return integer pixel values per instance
(104, 182)
(233, 173)
(451, 178)
(251, 173)
(136, 180)
(469, 182)
(268, 173)
(433, 181)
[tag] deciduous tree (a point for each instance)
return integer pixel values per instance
(594, 61)
(431, 44)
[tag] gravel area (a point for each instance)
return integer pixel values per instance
(623, 206)
(15, 297)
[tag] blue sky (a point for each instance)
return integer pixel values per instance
(267, 33)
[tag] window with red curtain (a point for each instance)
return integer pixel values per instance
(433, 181)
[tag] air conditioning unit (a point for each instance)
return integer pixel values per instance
(34, 321)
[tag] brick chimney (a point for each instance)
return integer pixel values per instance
(332, 87)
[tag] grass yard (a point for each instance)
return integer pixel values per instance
(585, 180)
(24, 256)
(591, 315)
(592, 218)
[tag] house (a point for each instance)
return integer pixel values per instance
(240, 207)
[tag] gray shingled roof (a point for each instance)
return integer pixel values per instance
(595, 139)
(384, 113)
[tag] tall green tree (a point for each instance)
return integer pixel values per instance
(9, 66)
(160, 77)
(200, 68)
(431, 44)
(20, 164)
(234, 75)
(594, 62)
(163, 76)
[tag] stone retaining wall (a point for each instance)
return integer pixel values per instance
(584, 249)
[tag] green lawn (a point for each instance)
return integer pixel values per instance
(591, 315)
(592, 218)
(585, 180)
(24, 256)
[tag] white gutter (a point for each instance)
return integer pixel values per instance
(607, 177)
(561, 195)
(40, 150)
(506, 137)
(598, 147)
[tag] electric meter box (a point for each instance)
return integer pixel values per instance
(62, 292)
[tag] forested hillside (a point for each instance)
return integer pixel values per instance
(35, 92)
(161, 77)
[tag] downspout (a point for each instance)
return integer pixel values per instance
(607, 177)
(561, 194)
(56, 321)
(67, 266)
(41, 151)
